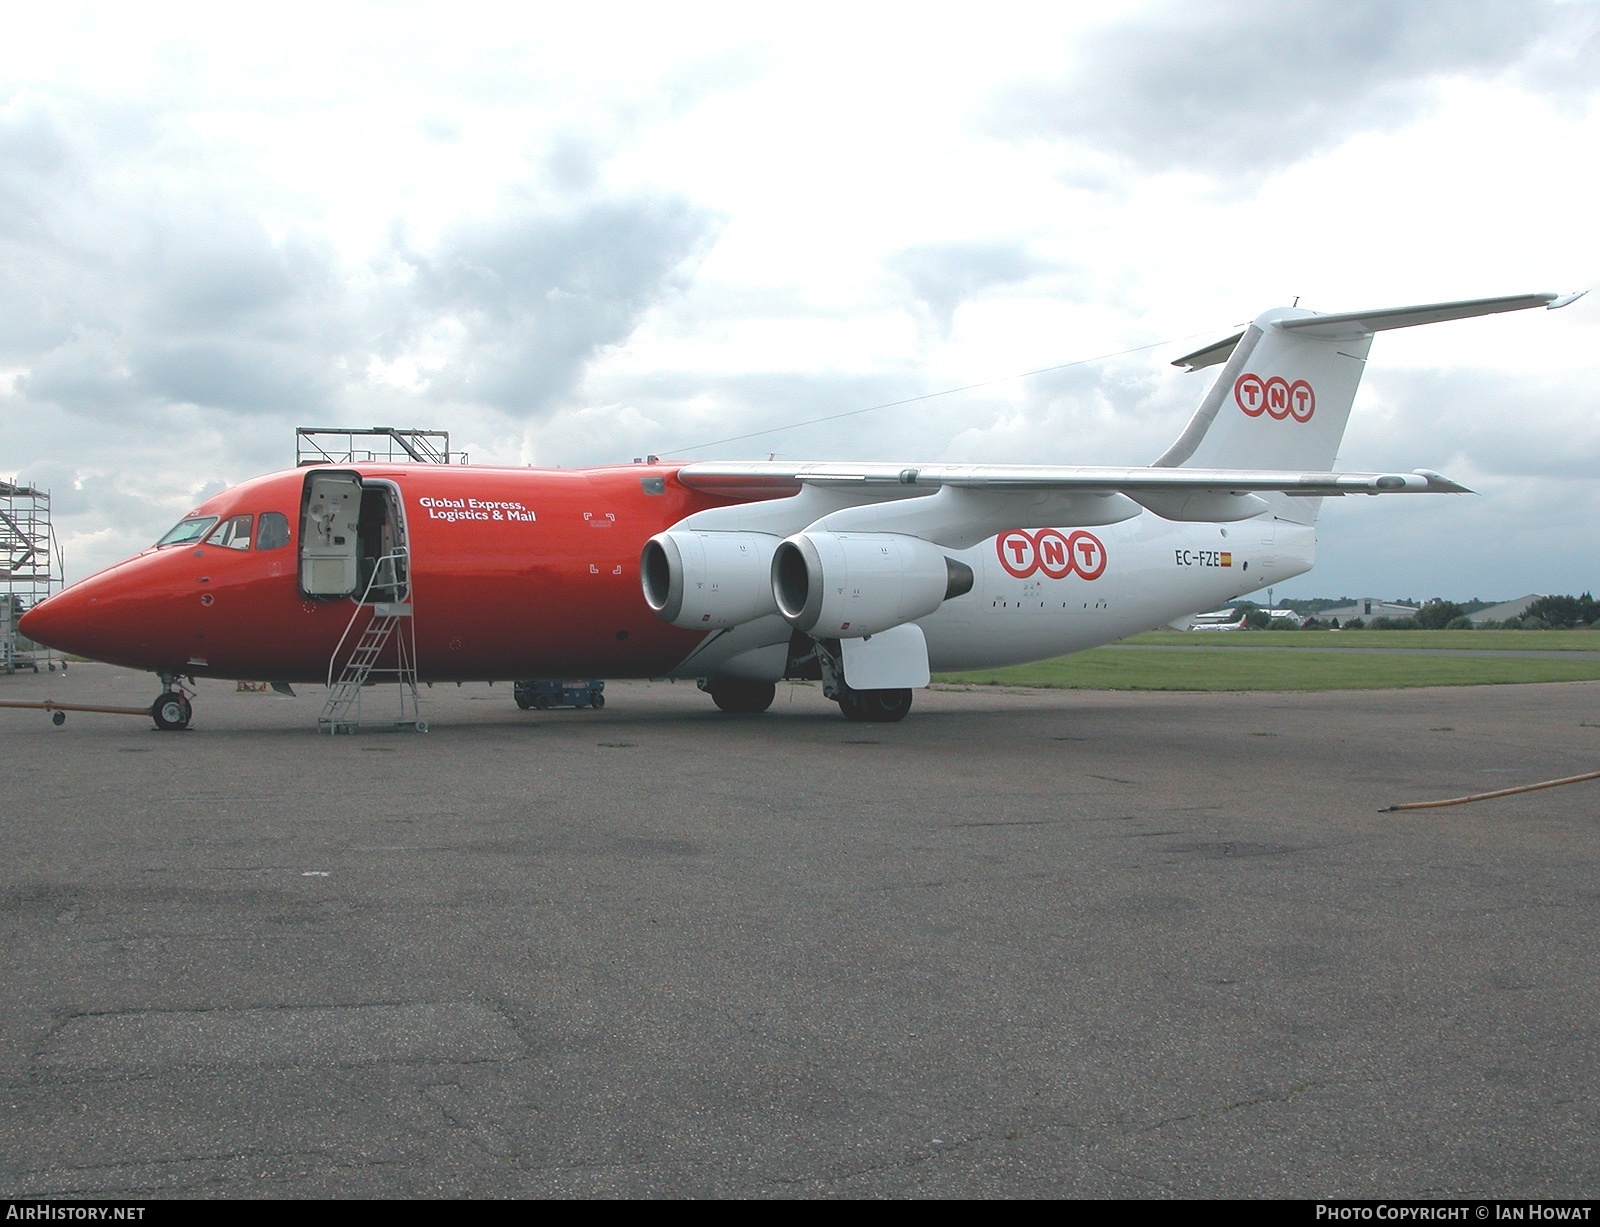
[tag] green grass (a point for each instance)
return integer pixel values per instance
(1113, 668)
(1522, 641)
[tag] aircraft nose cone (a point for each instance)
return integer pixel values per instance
(130, 614)
(59, 622)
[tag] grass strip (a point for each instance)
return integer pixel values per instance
(1505, 641)
(1112, 668)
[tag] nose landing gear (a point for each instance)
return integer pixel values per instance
(172, 711)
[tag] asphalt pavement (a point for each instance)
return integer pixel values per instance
(1026, 943)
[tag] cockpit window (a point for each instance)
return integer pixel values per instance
(274, 531)
(187, 531)
(233, 533)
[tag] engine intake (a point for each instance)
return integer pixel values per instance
(850, 585)
(707, 580)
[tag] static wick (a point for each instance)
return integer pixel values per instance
(1499, 792)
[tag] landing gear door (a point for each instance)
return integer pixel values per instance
(330, 541)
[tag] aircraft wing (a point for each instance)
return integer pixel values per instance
(764, 479)
(958, 505)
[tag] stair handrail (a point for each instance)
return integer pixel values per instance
(372, 580)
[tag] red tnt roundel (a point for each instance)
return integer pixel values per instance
(1276, 391)
(1088, 555)
(1302, 400)
(1054, 551)
(1250, 394)
(1017, 553)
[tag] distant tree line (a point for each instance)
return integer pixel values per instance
(1548, 613)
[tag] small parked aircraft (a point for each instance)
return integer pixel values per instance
(864, 577)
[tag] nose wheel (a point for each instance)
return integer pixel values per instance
(172, 711)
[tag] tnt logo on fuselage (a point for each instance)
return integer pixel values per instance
(1274, 396)
(1051, 551)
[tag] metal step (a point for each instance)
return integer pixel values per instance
(341, 713)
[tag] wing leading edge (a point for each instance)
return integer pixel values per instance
(767, 479)
(959, 505)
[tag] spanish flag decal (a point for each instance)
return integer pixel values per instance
(1227, 560)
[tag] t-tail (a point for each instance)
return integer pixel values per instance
(1288, 382)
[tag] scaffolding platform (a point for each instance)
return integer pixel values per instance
(372, 445)
(31, 569)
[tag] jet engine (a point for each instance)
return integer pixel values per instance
(850, 585)
(708, 580)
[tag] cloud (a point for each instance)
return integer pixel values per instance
(944, 275)
(536, 293)
(167, 318)
(1249, 88)
(1486, 424)
(1117, 411)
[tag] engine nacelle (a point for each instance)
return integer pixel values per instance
(708, 580)
(850, 585)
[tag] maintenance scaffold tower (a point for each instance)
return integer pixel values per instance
(372, 445)
(31, 569)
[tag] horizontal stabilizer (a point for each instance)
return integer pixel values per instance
(1210, 355)
(1349, 324)
(1356, 323)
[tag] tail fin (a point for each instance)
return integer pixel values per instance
(1289, 379)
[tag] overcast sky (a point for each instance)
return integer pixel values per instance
(576, 237)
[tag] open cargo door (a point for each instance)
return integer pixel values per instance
(352, 537)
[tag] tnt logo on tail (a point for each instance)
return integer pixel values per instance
(1275, 396)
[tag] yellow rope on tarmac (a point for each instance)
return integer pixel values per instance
(1499, 792)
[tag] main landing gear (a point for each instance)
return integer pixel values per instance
(172, 711)
(812, 660)
(865, 706)
(739, 696)
(874, 706)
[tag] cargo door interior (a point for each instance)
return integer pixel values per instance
(330, 540)
(352, 537)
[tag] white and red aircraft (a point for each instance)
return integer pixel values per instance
(741, 574)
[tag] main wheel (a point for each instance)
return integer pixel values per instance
(875, 706)
(171, 712)
(888, 706)
(596, 700)
(542, 702)
(741, 697)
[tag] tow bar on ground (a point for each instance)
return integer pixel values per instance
(1498, 792)
(61, 709)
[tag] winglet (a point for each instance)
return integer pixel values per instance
(1566, 300)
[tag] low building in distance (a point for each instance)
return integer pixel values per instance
(1506, 610)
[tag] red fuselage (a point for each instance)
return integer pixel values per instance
(498, 593)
